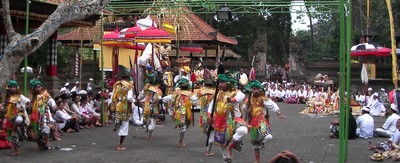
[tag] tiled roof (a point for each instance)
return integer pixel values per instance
(194, 30)
(87, 34)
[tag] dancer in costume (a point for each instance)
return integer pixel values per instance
(122, 99)
(182, 113)
(203, 98)
(258, 116)
(16, 118)
(225, 115)
(151, 95)
(40, 115)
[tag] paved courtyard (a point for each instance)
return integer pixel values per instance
(304, 135)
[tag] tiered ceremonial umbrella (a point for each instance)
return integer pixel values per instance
(127, 36)
(153, 35)
(111, 39)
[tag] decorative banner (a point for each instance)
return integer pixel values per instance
(52, 56)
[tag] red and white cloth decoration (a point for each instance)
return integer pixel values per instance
(52, 56)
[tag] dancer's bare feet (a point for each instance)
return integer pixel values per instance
(121, 148)
(15, 153)
(208, 154)
(181, 144)
(150, 138)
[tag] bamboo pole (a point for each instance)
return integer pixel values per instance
(342, 150)
(102, 68)
(348, 76)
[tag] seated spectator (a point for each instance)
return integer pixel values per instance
(376, 107)
(88, 119)
(92, 110)
(352, 127)
(389, 127)
(284, 156)
(65, 122)
(390, 144)
(365, 124)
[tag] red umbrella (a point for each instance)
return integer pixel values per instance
(366, 49)
(153, 35)
(191, 47)
(131, 32)
(111, 39)
(126, 38)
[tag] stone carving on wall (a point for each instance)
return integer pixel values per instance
(297, 60)
(259, 49)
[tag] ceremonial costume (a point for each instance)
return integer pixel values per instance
(182, 113)
(225, 114)
(258, 116)
(203, 98)
(41, 117)
(122, 99)
(151, 95)
(16, 118)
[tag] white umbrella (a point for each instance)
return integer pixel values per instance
(364, 46)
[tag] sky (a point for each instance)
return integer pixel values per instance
(299, 24)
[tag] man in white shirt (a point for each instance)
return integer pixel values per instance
(65, 89)
(76, 88)
(89, 87)
(365, 124)
(389, 127)
(65, 122)
(376, 107)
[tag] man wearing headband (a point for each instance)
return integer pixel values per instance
(122, 99)
(40, 115)
(203, 98)
(151, 96)
(225, 114)
(16, 117)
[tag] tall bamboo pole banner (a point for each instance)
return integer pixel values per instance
(102, 68)
(393, 41)
(348, 74)
(342, 151)
(28, 2)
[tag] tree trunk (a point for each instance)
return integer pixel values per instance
(20, 46)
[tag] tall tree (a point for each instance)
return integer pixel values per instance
(20, 46)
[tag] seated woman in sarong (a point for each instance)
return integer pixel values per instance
(291, 96)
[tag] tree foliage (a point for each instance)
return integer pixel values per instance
(247, 28)
(326, 30)
(21, 46)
